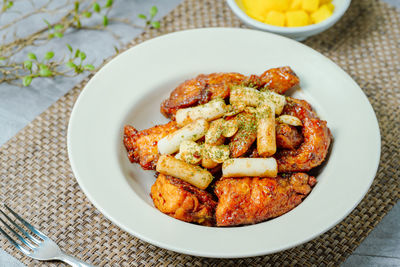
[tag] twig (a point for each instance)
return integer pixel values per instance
(73, 19)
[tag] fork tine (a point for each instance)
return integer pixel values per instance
(24, 250)
(31, 237)
(23, 240)
(28, 225)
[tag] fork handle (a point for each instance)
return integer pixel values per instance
(74, 262)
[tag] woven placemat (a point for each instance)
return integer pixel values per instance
(36, 178)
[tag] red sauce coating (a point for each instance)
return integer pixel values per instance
(251, 200)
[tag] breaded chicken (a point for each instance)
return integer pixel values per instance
(219, 84)
(279, 80)
(299, 108)
(189, 93)
(200, 90)
(252, 200)
(206, 87)
(142, 145)
(317, 139)
(183, 201)
(245, 136)
(287, 136)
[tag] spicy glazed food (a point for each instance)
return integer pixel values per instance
(236, 150)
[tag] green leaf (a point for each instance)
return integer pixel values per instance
(77, 52)
(153, 11)
(78, 69)
(43, 66)
(70, 48)
(27, 80)
(70, 65)
(105, 20)
(44, 71)
(76, 6)
(9, 4)
(32, 56)
(58, 27)
(96, 7)
(51, 35)
(2, 58)
(142, 16)
(88, 67)
(28, 64)
(109, 3)
(48, 23)
(155, 24)
(49, 55)
(87, 14)
(82, 56)
(58, 34)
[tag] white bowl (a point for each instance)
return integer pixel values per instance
(297, 33)
(129, 90)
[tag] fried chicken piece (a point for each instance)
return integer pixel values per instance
(312, 151)
(245, 136)
(280, 79)
(253, 81)
(287, 136)
(317, 138)
(219, 84)
(206, 87)
(299, 108)
(142, 145)
(187, 94)
(251, 200)
(200, 90)
(183, 201)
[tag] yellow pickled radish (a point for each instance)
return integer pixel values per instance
(288, 13)
(297, 18)
(330, 6)
(275, 18)
(323, 2)
(295, 5)
(281, 5)
(321, 14)
(310, 5)
(255, 9)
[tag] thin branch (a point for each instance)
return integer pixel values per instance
(42, 9)
(71, 21)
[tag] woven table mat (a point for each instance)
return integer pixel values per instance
(36, 179)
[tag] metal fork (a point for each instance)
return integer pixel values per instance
(42, 248)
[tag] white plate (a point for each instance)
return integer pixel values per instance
(129, 89)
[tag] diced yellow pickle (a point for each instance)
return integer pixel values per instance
(322, 2)
(330, 6)
(275, 18)
(255, 9)
(280, 5)
(295, 5)
(321, 14)
(310, 5)
(297, 18)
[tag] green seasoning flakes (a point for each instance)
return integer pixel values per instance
(247, 123)
(217, 153)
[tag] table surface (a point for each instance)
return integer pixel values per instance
(380, 248)
(382, 245)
